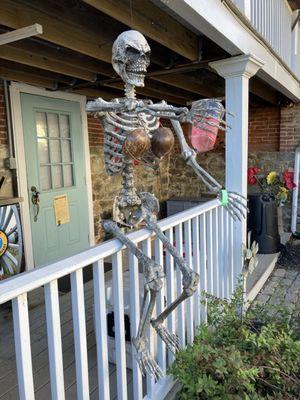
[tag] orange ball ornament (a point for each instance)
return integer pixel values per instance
(162, 142)
(136, 143)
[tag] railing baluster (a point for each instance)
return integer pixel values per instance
(181, 307)
(220, 225)
(170, 290)
(196, 266)
(134, 322)
(215, 247)
(203, 264)
(54, 341)
(189, 301)
(209, 239)
(79, 324)
(23, 347)
(150, 381)
(231, 254)
(226, 254)
(119, 325)
(160, 305)
(101, 330)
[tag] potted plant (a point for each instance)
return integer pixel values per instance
(273, 189)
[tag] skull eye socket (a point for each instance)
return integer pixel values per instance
(132, 51)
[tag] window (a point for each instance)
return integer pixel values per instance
(54, 143)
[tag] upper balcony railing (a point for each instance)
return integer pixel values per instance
(274, 20)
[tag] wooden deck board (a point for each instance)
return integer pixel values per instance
(38, 330)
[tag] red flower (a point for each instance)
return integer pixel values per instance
(288, 177)
(252, 171)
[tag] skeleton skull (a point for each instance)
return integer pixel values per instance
(131, 57)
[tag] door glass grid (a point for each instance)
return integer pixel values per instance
(54, 144)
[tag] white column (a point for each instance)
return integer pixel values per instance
(237, 71)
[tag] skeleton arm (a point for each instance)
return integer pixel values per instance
(99, 106)
(232, 201)
(205, 114)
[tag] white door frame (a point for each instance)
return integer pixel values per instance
(15, 99)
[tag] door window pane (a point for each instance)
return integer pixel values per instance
(64, 126)
(54, 146)
(45, 176)
(55, 151)
(66, 150)
(41, 124)
(53, 128)
(57, 180)
(43, 151)
(68, 175)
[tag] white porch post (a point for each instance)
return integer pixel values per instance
(237, 71)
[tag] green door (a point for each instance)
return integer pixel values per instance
(55, 162)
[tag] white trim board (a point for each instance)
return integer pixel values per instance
(15, 91)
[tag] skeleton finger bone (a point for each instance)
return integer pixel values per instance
(238, 201)
(234, 211)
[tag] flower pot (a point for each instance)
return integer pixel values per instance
(263, 222)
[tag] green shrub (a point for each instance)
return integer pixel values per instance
(237, 357)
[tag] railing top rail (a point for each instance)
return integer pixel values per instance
(38, 277)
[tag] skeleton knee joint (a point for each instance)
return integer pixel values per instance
(190, 283)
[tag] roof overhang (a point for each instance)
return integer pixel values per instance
(216, 21)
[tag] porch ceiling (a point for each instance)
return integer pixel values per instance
(74, 51)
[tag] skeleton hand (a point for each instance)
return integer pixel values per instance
(235, 204)
(207, 114)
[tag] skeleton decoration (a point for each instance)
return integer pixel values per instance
(133, 132)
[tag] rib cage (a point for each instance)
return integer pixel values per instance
(116, 127)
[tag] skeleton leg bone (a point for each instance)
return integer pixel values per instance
(190, 280)
(153, 283)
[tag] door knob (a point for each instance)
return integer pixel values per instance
(35, 200)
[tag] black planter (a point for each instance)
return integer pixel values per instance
(263, 222)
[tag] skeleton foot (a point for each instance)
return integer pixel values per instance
(146, 362)
(170, 339)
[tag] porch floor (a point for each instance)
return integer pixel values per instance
(38, 330)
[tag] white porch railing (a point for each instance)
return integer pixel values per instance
(203, 234)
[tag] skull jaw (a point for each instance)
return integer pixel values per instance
(129, 77)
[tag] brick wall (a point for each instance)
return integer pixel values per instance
(264, 129)
(290, 128)
(7, 189)
(3, 131)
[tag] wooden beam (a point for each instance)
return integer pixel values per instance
(22, 33)
(153, 94)
(263, 91)
(81, 39)
(26, 77)
(190, 83)
(21, 55)
(57, 29)
(153, 22)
